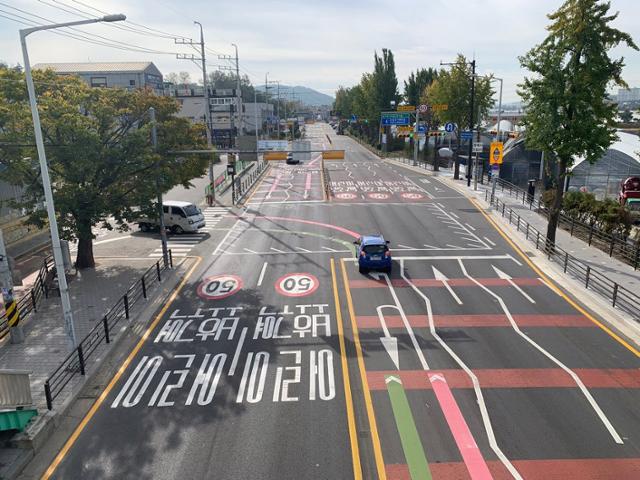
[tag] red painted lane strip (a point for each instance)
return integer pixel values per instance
(460, 430)
(275, 184)
(307, 185)
(471, 321)
(313, 162)
(346, 231)
(556, 469)
(453, 282)
(513, 378)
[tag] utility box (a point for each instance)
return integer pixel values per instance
(66, 255)
(247, 143)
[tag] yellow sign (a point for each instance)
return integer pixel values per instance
(439, 107)
(333, 155)
(495, 153)
(404, 130)
(275, 155)
(406, 108)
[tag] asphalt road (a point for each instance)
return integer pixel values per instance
(278, 360)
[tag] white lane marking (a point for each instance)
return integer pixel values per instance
(454, 215)
(405, 320)
(236, 354)
(175, 249)
(541, 349)
(453, 247)
(250, 251)
(226, 237)
(445, 281)
(328, 249)
(112, 240)
(486, 420)
(489, 242)
(405, 247)
(470, 227)
(276, 250)
(508, 278)
(449, 257)
(261, 277)
(388, 342)
(303, 250)
(176, 254)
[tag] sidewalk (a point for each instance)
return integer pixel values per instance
(46, 344)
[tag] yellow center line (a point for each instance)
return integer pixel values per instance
(558, 290)
(377, 450)
(94, 408)
(353, 436)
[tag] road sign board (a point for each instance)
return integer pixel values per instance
(449, 127)
(406, 108)
(231, 168)
(219, 287)
(393, 118)
(297, 284)
(422, 128)
(477, 147)
(404, 130)
(440, 107)
(495, 153)
(466, 135)
(424, 108)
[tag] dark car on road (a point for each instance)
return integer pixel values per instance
(372, 252)
(291, 160)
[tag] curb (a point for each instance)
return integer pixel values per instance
(36, 434)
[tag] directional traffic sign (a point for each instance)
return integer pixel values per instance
(422, 128)
(496, 152)
(406, 108)
(449, 127)
(477, 147)
(395, 118)
(466, 135)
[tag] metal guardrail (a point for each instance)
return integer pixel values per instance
(592, 279)
(246, 181)
(616, 246)
(75, 363)
(29, 302)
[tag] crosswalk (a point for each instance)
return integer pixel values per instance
(180, 245)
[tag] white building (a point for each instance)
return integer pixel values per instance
(629, 95)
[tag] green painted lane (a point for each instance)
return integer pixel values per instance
(411, 444)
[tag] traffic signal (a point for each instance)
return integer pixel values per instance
(437, 134)
(513, 134)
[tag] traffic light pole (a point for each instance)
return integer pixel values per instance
(471, 124)
(415, 139)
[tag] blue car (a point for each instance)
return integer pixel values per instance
(372, 252)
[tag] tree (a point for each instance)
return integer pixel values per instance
(172, 77)
(416, 84)
(184, 78)
(228, 80)
(101, 161)
(453, 88)
(384, 80)
(626, 116)
(567, 113)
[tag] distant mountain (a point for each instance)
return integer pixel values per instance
(306, 95)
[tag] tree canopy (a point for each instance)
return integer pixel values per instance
(416, 84)
(567, 113)
(101, 161)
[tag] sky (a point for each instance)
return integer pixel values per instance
(320, 45)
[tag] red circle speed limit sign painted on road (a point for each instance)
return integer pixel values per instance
(379, 196)
(412, 195)
(297, 284)
(346, 196)
(219, 286)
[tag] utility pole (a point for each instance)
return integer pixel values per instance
(160, 208)
(207, 107)
(415, 138)
(239, 93)
(471, 123)
(266, 102)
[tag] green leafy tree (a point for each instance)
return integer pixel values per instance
(416, 84)
(567, 112)
(103, 167)
(453, 88)
(384, 80)
(626, 116)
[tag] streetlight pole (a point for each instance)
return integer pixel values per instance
(238, 96)
(471, 123)
(44, 170)
(207, 108)
(494, 177)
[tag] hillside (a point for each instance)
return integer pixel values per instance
(306, 95)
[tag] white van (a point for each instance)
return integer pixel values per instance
(179, 217)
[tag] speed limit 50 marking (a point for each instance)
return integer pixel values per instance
(219, 286)
(297, 284)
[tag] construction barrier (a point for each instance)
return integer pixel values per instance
(275, 156)
(333, 155)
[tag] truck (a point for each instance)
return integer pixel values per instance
(179, 217)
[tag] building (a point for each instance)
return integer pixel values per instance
(629, 95)
(256, 113)
(128, 75)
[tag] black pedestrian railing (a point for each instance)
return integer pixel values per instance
(592, 279)
(246, 181)
(617, 246)
(30, 301)
(76, 362)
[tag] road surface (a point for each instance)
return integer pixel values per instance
(278, 360)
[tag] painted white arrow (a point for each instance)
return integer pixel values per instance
(405, 320)
(441, 277)
(507, 277)
(437, 377)
(392, 378)
(389, 343)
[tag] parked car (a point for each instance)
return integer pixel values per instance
(179, 217)
(373, 252)
(291, 160)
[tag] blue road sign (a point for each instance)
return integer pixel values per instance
(422, 128)
(354, 118)
(466, 135)
(449, 127)
(393, 118)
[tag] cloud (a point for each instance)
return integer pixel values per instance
(319, 45)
